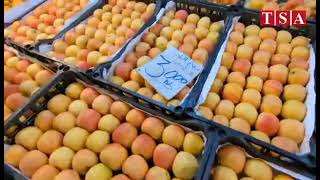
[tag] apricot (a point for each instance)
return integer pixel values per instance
(258, 169)
(156, 172)
(88, 95)
(83, 160)
(70, 37)
(124, 134)
(67, 174)
(252, 41)
(59, 103)
(273, 87)
(154, 52)
(28, 137)
(44, 120)
(143, 60)
(63, 122)
(293, 109)
(254, 82)
(221, 172)
(200, 55)
(61, 158)
(240, 124)
(285, 143)
(97, 141)
(102, 104)
(153, 127)
(77, 106)
(135, 167)
(43, 77)
(268, 45)
(283, 177)
(205, 112)
(222, 73)
(185, 165)
(252, 30)
(221, 119)
(236, 37)
(227, 59)
(232, 92)
(193, 143)
(271, 104)
(113, 156)
(201, 33)
(173, 135)
(292, 129)
(10, 89)
(279, 72)
(75, 138)
(226, 155)
(268, 33)
(251, 96)
(98, 171)
(135, 117)
(241, 65)
(260, 70)
(187, 49)
(27, 87)
(33, 69)
(117, 80)
(119, 109)
(284, 48)
(300, 41)
(267, 123)
(298, 76)
(123, 70)
(261, 136)
(280, 59)
(226, 108)
(14, 154)
(216, 86)
(143, 145)
(261, 56)
(237, 77)
(283, 37)
(88, 119)
(21, 65)
(298, 63)
(131, 85)
(294, 92)
(45, 172)
(231, 47)
(212, 100)
(31, 162)
(9, 74)
(120, 177)
(188, 28)
(244, 52)
(49, 141)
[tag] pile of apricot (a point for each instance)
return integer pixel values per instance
(260, 87)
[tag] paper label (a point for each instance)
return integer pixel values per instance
(170, 72)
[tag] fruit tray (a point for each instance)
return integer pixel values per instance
(194, 147)
(94, 48)
(236, 159)
(229, 107)
(20, 10)
(49, 20)
(284, 4)
(23, 76)
(105, 73)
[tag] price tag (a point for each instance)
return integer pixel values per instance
(170, 72)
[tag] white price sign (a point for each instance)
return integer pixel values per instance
(170, 72)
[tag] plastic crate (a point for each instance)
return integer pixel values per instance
(38, 103)
(216, 13)
(296, 168)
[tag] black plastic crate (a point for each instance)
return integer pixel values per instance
(223, 138)
(216, 13)
(20, 10)
(37, 49)
(26, 115)
(251, 17)
(74, 20)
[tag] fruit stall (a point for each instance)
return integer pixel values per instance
(158, 90)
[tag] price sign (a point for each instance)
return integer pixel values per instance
(170, 72)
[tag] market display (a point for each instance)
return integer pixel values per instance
(103, 34)
(191, 34)
(246, 168)
(84, 133)
(45, 21)
(260, 87)
(21, 79)
(79, 104)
